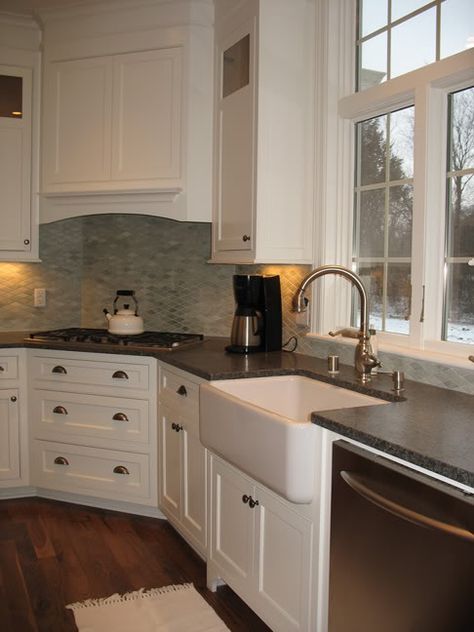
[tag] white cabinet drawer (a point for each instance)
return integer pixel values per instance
(8, 368)
(93, 471)
(179, 392)
(87, 373)
(88, 417)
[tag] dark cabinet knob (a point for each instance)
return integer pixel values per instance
(59, 369)
(120, 469)
(26, 242)
(245, 237)
(61, 460)
(59, 410)
(253, 503)
(1, 369)
(176, 427)
(120, 375)
(120, 417)
(182, 390)
(245, 499)
(13, 398)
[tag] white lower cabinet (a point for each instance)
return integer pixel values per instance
(261, 546)
(93, 419)
(13, 423)
(9, 436)
(110, 474)
(182, 478)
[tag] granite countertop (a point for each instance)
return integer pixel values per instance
(428, 426)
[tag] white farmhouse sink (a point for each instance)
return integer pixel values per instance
(262, 426)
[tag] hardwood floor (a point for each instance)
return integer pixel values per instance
(53, 553)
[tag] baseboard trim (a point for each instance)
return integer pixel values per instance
(78, 499)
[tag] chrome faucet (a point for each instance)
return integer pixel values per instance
(364, 360)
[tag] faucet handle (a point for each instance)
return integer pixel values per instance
(345, 332)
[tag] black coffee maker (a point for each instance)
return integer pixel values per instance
(257, 324)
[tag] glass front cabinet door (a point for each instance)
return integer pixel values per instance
(15, 161)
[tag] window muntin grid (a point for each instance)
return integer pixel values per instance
(397, 36)
(383, 208)
(458, 312)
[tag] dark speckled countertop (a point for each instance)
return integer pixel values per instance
(430, 427)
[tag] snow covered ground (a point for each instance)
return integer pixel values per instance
(457, 332)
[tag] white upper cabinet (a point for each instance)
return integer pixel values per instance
(19, 77)
(146, 117)
(113, 123)
(127, 110)
(263, 132)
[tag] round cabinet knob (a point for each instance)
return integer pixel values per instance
(59, 369)
(2, 369)
(120, 417)
(61, 460)
(121, 469)
(245, 499)
(245, 237)
(253, 503)
(182, 390)
(13, 398)
(26, 242)
(59, 410)
(120, 375)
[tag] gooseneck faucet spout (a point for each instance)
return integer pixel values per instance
(365, 361)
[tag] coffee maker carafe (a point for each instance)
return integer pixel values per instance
(257, 323)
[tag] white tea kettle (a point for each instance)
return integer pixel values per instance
(125, 321)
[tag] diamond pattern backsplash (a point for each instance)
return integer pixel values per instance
(85, 260)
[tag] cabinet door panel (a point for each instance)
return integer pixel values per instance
(146, 117)
(194, 485)
(235, 194)
(77, 121)
(284, 558)
(232, 526)
(15, 166)
(170, 480)
(9, 435)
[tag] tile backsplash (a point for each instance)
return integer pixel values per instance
(86, 259)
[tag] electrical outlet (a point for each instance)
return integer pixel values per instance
(39, 299)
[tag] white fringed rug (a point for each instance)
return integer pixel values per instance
(178, 608)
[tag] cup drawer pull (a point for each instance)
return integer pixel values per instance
(182, 390)
(120, 417)
(59, 369)
(120, 375)
(61, 460)
(60, 410)
(120, 469)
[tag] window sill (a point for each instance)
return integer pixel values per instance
(425, 355)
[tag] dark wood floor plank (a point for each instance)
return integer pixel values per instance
(20, 612)
(58, 553)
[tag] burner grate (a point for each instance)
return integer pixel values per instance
(155, 339)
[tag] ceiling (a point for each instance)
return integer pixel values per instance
(27, 7)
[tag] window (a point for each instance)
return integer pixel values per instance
(398, 188)
(383, 216)
(386, 28)
(458, 325)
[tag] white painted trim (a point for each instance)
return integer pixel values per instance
(333, 158)
(450, 356)
(100, 503)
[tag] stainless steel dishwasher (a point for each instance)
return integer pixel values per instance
(402, 548)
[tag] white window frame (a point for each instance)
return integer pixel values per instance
(339, 107)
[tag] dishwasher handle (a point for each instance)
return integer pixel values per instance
(359, 485)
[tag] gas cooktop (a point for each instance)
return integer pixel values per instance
(156, 339)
